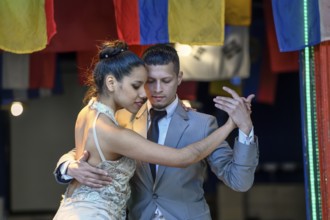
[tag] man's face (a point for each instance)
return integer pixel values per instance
(162, 85)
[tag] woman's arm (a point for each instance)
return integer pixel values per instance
(128, 143)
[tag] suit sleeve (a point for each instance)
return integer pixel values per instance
(70, 156)
(234, 166)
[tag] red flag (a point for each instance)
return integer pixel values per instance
(83, 29)
(51, 25)
(279, 62)
(42, 70)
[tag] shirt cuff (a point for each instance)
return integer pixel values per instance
(244, 139)
(63, 169)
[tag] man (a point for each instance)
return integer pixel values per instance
(176, 193)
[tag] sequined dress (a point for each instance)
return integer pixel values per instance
(108, 202)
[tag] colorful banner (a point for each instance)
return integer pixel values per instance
(146, 22)
(27, 71)
(279, 62)
(238, 12)
(15, 71)
(32, 76)
(290, 27)
(42, 70)
(207, 63)
(84, 28)
(23, 25)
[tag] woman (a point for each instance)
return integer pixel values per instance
(118, 82)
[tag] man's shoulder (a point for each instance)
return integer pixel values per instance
(194, 114)
(124, 117)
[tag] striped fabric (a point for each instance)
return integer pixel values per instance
(144, 22)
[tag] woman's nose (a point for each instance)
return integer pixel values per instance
(143, 93)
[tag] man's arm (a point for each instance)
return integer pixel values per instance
(80, 170)
(61, 167)
(236, 167)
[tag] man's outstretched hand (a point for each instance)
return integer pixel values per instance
(86, 174)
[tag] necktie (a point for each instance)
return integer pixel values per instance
(153, 132)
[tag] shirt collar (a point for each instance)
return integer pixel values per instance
(169, 109)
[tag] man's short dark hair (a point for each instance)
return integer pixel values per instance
(162, 54)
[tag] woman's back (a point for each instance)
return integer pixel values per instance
(109, 201)
(84, 132)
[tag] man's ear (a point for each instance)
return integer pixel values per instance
(110, 82)
(180, 75)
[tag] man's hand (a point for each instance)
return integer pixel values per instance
(186, 106)
(238, 108)
(87, 174)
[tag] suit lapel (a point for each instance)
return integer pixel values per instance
(176, 128)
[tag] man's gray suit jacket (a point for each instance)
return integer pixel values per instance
(178, 192)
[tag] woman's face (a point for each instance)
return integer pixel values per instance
(130, 93)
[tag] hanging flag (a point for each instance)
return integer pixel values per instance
(27, 71)
(266, 92)
(83, 29)
(85, 61)
(21, 90)
(289, 23)
(146, 22)
(207, 63)
(188, 90)
(238, 12)
(42, 70)
(278, 62)
(23, 26)
(51, 24)
(15, 71)
(261, 81)
(216, 87)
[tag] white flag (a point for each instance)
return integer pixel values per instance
(208, 63)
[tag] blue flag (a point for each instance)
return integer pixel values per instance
(292, 32)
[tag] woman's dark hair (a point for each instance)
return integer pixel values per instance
(162, 54)
(115, 59)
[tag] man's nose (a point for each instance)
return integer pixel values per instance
(158, 86)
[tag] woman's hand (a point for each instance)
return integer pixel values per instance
(238, 108)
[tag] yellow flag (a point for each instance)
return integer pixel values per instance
(22, 25)
(196, 22)
(216, 88)
(238, 12)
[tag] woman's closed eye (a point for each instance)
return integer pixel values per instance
(137, 86)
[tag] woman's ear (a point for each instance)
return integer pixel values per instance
(110, 82)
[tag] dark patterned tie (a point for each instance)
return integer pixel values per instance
(153, 132)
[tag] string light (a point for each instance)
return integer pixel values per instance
(311, 124)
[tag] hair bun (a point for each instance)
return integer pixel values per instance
(111, 49)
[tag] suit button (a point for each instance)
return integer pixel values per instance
(154, 196)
